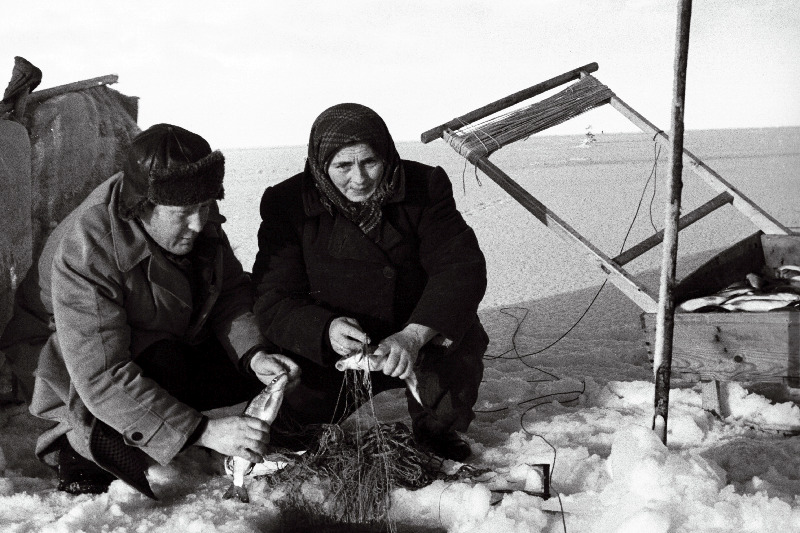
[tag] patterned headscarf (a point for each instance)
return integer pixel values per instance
(344, 125)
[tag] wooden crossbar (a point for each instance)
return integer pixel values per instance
(44, 94)
(504, 103)
(39, 96)
(724, 198)
(486, 137)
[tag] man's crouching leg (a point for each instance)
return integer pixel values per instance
(201, 376)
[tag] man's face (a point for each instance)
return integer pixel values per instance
(356, 170)
(175, 227)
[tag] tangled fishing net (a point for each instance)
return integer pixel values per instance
(348, 476)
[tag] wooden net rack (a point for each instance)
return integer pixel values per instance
(476, 139)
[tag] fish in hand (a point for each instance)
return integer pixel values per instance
(365, 361)
(264, 406)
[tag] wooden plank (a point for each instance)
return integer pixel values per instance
(637, 292)
(688, 219)
(39, 96)
(508, 101)
(749, 347)
(711, 398)
(747, 207)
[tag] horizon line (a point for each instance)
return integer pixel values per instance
(602, 132)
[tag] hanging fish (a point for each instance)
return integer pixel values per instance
(265, 407)
(364, 361)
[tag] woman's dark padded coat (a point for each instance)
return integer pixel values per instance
(427, 268)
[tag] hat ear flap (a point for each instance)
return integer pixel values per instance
(131, 205)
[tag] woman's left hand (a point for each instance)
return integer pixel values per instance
(401, 349)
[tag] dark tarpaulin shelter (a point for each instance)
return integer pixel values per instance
(56, 145)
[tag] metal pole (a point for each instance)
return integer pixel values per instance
(665, 318)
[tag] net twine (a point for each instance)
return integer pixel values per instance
(357, 469)
(483, 138)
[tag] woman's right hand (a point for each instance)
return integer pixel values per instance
(346, 336)
(243, 436)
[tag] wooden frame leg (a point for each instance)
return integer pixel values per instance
(714, 400)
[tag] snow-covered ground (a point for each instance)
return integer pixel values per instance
(584, 406)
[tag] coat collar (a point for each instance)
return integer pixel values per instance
(132, 245)
(347, 239)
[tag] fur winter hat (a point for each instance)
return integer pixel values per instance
(168, 165)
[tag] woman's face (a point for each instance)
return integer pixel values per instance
(356, 171)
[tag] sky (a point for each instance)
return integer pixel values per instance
(257, 73)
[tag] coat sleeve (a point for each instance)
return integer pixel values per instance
(286, 311)
(94, 336)
(232, 316)
(455, 265)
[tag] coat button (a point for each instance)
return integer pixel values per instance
(388, 272)
(137, 436)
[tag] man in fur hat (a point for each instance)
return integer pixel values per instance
(151, 322)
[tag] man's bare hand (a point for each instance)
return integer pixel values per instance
(243, 436)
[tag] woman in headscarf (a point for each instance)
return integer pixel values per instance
(363, 248)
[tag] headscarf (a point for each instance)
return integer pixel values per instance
(344, 125)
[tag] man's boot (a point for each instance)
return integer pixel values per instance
(78, 475)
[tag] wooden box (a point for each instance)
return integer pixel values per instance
(735, 346)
